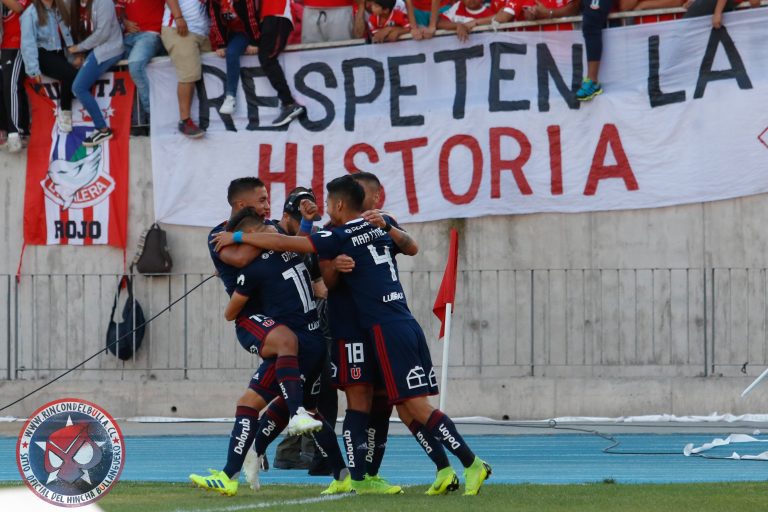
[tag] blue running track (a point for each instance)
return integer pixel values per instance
(550, 459)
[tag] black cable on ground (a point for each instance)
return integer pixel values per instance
(107, 347)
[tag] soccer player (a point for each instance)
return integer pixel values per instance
(357, 374)
(275, 291)
(370, 239)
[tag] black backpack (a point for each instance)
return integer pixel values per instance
(152, 256)
(132, 318)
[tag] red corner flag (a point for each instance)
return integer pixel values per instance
(447, 293)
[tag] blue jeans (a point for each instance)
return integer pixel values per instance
(235, 49)
(140, 47)
(86, 77)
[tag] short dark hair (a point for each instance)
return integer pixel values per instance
(385, 4)
(367, 177)
(240, 186)
(245, 218)
(347, 189)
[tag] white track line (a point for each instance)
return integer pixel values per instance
(266, 504)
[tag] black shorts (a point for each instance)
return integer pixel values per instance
(353, 361)
(252, 330)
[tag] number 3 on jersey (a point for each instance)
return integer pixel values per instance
(381, 259)
(300, 276)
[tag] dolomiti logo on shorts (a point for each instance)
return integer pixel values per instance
(70, 452)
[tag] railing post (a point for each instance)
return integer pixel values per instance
(186, 329)
(533, 317)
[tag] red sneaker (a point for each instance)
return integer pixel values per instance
(190, 129)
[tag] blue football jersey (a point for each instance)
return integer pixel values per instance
(341, 319)
(279, 284)
(374, 283)
(227, 273)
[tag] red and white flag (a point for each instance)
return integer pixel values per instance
(77, 195)
(447, 292)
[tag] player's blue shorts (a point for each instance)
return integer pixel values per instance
(252, 330)
(312, 354)
(353, 361)
(404, 360)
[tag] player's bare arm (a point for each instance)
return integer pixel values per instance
(404, 241)
(236, 304)
(269, 241)
(330, 274)
(239, 256)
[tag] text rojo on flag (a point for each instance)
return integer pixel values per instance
(486, 127)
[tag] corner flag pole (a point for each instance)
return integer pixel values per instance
(443, 308)
(755, 383)
(446, 345)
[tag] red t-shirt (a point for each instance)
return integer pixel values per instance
(148, 14)
(12, 27)
(398, 17)
(459, 13)
(275, 8)
(426, 5)
(517, 6)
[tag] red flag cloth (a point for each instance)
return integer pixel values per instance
(77, 195)
(447, 292)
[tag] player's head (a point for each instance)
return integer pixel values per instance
(246, 219)
(248, 192)
(345, 199)
(291, 211)
(371, 186)
(382, 7)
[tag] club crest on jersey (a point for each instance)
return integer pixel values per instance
(355, 372)
(268, 322)
(70, 452)
(241, 280)
(79, 182)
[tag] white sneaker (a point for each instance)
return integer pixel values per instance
(228, 107)
(65, 121)
(252, 466)
(302, 423)
(14, 143)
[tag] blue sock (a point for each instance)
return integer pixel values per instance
(243, 432)
(326, 443)
(272, 423)
(289, 378)
(378, 431)
(441, 426)
(430, 445)
(355, 442)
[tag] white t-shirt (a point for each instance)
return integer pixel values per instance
(195, 13)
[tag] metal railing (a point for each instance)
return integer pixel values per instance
(549, 322)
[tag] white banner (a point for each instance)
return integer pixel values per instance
(487, 127)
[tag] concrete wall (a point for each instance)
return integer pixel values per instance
(607, 313)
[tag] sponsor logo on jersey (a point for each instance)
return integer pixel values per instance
(416, 378)
(70, 452)
(393, 296)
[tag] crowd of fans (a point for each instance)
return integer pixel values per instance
(76, 41)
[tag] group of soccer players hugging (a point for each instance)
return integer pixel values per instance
(378, 353)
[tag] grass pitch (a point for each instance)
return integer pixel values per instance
(166, 497)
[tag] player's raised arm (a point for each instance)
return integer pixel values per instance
(235, 306)
(269, 241)
(404, 241)
(238, 256)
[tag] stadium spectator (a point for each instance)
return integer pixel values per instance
(276, 27)
(14, 111)
(534, 10)
(642, 5)
(297, 14)
(594, 17)
(327, 20)
(388, 20)
(185, 37)
(465, 15)
(105, 47)
(44, 28)
(423, 16)
(141, 20)
(361, 11)
(696, 8)
(234, 32)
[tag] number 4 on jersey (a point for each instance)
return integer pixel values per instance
(381, 259)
